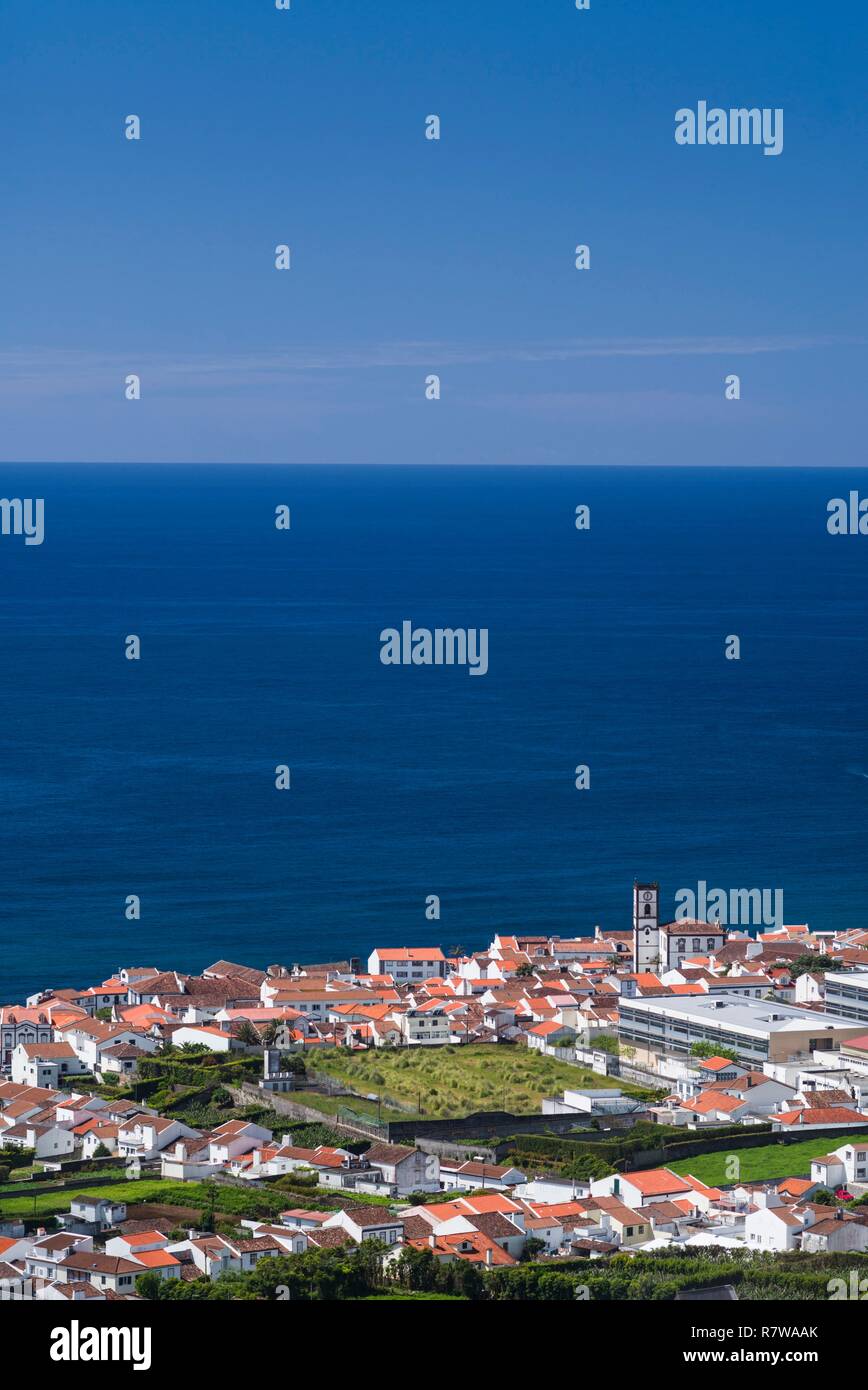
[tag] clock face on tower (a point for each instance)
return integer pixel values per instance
(647, 897)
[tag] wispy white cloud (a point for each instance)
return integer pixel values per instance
(625, 406)
(51, 371)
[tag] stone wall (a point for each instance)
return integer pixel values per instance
(281, 1103)
(482, 1125)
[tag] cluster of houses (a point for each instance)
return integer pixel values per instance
(658, 995)
(798, 1039)
(497, 1217)
(720, 1023)
(550, 993)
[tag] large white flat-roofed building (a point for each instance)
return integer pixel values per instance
(756, 1030)
(847, 995)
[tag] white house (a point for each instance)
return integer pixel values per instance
(405, 1168)
(214, 1255)
(234, 1138)
(90, 1037)
(407, 965)
(552, 1191)
(120, 1059)
(71, 1293)
(148, 1249)
(99, 1135)
(810, 988)
(104, 1271)
(206, 1035)
(43, 1064)
(759, 1094)
(427, 1025)
(552, 1038)
(495, 1225)
(48, 1141)
(472, 1174)
(92, 1215)
(368, 1223)
(74, 1109)
(292, 1239)
(842, 1117)
(839, 1231)
(47, 1252)
(843, 1166)
(774, 1228)
(145, 1136)
(635, 1190)
(752, 1096)
(211, 1254)
(187, 1160)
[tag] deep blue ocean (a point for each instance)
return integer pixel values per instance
(261, 647)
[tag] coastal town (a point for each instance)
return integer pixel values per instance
(535, 1119)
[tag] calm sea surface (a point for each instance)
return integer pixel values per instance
(261, 647)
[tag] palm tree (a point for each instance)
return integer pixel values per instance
(245, 1032)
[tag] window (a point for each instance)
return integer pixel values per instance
(697, 944)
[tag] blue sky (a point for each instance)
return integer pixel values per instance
(410, 256)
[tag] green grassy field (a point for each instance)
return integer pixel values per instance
(760, 1164)
(144, 1190)
(231, 1202)
(63, 1181)
(456, 1080)
(254, 1202)
(331, 1105)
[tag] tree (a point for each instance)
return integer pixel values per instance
(813, 963)
(101, 1151)
(707, 1049)
(416, 1269)
(464, 1279)
(292, 1061)
(209, 1190)
(824, 1198)
(245, 1032)
(587, 1168)
(271, 1032)
(148, 1285)
(532, 1247)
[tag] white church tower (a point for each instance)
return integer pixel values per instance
(646, 927)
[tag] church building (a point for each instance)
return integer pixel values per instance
(659, 947)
